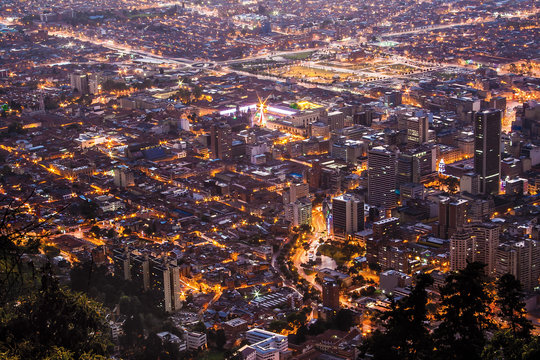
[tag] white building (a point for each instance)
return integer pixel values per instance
(195, 340)
(267, 345)
(88, 140)
(299, 212)
(166, 337)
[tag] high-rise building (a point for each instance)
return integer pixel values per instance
(452, 216)
(195, 340)
(363, 117)
(347, 215)
(382, 177)
(296, 190)
(315, 174)
(461, 249)
(299, 212)
(79, 83)
(165, 276)
(411, 191)
(521, 259)
(487, 150)
(151, 273)
(347, 150)
(393, 255)
(221, 141)
(123, 177)
(477, 241)
(415, 165)
(417, 130)
(385, 229)
(331, 295)
(485, 244)
(470, 182)
(393, 98)
(94, 83)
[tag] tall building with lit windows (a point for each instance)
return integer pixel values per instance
(221, 141)
(417, 130)
(331, 295)
(382, 171)
(461, 249)
(521, 259)
(486, 242)
(79, 83)
(299, 212)
(347, 215)
(453, 215)
(487, 150)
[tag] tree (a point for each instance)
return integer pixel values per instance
(51, 251)
(15, 128)
(504, 345)
(513, 340)
(531, 350)
(464, 315)
(301, 334)
(509, 300)
(15, 241)
(111, 85)
(54, 317)
(50, 103)
(405, 335)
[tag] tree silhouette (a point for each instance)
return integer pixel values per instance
(513, 340)
(406, 335)
(509, 300)
(15, 241)
(42, 321)
(464, 315)
(54, 317)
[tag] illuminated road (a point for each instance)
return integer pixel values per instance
(521, 14)
(429, 28)
(111, 44)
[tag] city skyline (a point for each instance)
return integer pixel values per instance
(269, 180)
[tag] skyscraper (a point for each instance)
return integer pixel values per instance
(461, 249)
(123, 177)
(452, 216)
(79, 83)
(486, 242)
(221, 141)
(417, 130)
(347, 215)
(521, 259)
(331, 295)
(382, 177)
(299, 212)
(415, 165)
(487, 150)
(296, 190)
